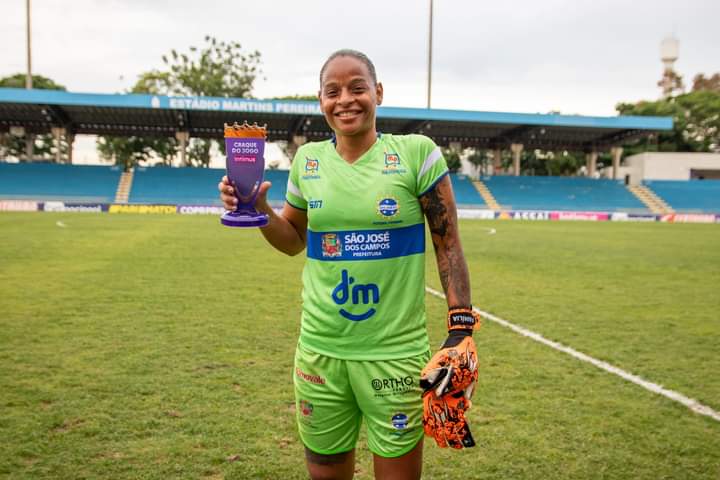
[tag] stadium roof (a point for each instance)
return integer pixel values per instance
(158, 115)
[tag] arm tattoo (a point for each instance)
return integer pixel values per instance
(439, 208)
(436, 212)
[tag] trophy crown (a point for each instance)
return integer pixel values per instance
(245, 130)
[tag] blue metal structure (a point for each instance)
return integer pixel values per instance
(132, 114)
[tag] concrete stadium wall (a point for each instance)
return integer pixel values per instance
(667, 166)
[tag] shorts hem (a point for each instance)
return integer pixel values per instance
(402, 452)
(327, 452)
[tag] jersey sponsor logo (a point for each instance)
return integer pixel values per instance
(355, 245)
(388, 207)
(392, 164)
(331, 246)
(392, 160)
(365, 293)
(313, 204)
(312, 168)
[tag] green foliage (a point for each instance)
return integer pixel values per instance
(43, 145)
(452, 158)
(696, 122)
(217, 69)
(711, 83)
(120, 360)
(310, 98)
(39, 82)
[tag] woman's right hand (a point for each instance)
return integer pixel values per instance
(227, 195)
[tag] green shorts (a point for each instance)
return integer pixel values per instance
(333, 396)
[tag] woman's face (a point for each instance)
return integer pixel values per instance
(348, 96)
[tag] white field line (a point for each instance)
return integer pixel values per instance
(693, 405)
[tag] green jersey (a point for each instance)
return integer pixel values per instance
(364, 278)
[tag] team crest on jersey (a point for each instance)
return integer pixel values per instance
(312, 168)
(392, 164)
(331, 246)
(388, 207)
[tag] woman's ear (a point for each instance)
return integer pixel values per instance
(379, 93)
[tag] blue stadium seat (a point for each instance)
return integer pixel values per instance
(563, 193)
(466, 195)
(192, 186)
(50, 181)
(688, 196)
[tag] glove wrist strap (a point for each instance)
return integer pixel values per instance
(463, 319)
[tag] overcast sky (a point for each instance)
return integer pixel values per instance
(574, 56)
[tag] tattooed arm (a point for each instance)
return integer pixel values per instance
(439, 207)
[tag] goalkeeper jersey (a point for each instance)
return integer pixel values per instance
(364, 277)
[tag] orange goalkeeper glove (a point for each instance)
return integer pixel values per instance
(454, 367)
(448, 382)
(444, 420)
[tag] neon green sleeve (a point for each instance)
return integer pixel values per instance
(294, 195)
(432, 166)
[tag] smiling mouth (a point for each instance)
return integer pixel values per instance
(347, 114)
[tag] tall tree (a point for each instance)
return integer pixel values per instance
(43, 145)
(696, 122)
(217, 69)
(452, 158)
(701, 82)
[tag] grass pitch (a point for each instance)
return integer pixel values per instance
(161, 347)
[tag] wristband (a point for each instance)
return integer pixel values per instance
(463, 318)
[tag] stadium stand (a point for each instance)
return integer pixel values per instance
(466, 195)
(562, 193)
(688, 196)
(191, 186)
(50, 181)
(198, 186)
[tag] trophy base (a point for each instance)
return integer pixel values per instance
(244, 219)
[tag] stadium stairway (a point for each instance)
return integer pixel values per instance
(124, 186)
(654, 203)
(487, 195)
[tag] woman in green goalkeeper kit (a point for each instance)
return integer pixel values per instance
(357, 203)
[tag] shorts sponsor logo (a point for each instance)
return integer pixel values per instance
(317, 379)
(306, 408)
(331, 246)
(365, 293)
(392, 386)
(399, 421)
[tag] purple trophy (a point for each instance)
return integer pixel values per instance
(244, 149)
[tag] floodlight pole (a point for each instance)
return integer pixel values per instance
(430, 41)
(29, 138)
(28, 77)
